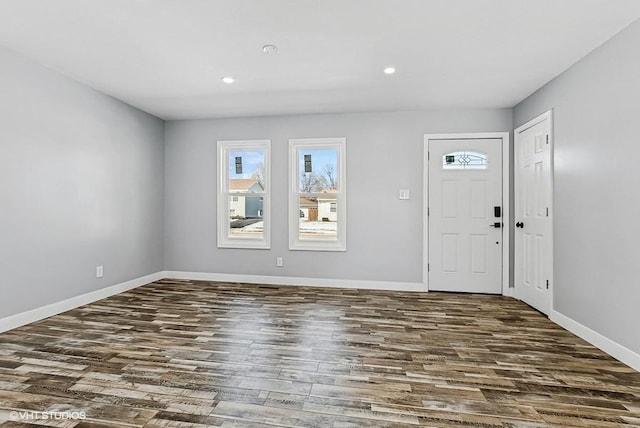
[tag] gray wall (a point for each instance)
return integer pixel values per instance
(384, 154)
(81, 185)
(596, 107)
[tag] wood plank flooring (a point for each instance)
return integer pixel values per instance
(201, 354)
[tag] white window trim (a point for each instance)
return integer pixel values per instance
(295, 243)
(224, 240)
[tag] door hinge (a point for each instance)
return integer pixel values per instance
(428, 267)
(547, 284)
(547, 211)
(547, 139)
(427, 211)
(428, 155)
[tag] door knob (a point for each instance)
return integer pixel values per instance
(520, 224)
(496, 225)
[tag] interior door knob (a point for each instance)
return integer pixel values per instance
(520, 224)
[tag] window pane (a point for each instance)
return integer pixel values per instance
(318, 170)
(464, 160)
(246, 171)
(246, 217)
(319, 218)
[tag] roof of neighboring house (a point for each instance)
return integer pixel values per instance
(242, 184)
(328, 198)
(308, 203)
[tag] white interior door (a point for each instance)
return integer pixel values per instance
(533, 216)
(465, 215)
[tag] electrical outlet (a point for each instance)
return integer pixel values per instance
(279, 262)
(99, 271)
(404, 194)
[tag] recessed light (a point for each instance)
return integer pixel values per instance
(228, 80)
(389, 70)
(270, 49)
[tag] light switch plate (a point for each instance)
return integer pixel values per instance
(404, 194)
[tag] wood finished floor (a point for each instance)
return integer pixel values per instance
(196, 354)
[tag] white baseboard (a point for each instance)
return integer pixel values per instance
(33, 315)
(288, 280)
(612, 348)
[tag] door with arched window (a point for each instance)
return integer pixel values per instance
(465, 209)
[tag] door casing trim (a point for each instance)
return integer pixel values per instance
(506, 191)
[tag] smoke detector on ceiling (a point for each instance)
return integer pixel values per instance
(269, 49)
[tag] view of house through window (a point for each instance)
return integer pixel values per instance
(246, 178)
(318, 198)
(318, 188)
(244, 190)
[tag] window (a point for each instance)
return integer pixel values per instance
(317, 195)
(464, 160)
(244, 194)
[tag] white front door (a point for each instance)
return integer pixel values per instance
(465, 215)
(533, 197)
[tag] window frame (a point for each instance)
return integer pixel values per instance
(224, 148)
(295, 145)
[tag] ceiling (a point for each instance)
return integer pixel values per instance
(167, 57)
